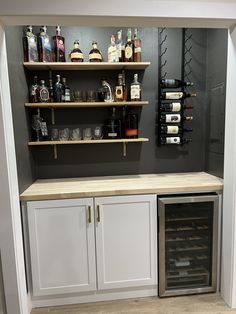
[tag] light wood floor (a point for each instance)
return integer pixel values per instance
(198, 304)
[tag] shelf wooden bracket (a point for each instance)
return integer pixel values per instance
(124, 149)
(55, 151)
(53, 116)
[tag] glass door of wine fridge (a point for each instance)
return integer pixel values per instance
(187, 244)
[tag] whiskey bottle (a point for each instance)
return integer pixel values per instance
(129, 47)
(174, 118)
(176, 95)
(174, 83)
(58, 90)
(43, 93)
(113, 51)
(112, 126)
(119, 95)
(131, 125)
(66, 91)
(173, 129)
(33, 96)
(174, 140)
(137, 47)
(120, 46)
(95, 54)
(76, 54)
(135, 89)
(44, 45)
(59, 46)
(174, 107)
(30, 46)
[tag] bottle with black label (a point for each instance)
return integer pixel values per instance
(174, 83)
(58, 90)
(30, 46)
(43, 92)
(174, 107)
(135, 89)
(173, 129)
(112, 126)
(66, 91)
(174, 140)
(174, 118)
(176, 95)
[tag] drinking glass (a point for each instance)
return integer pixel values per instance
(87, 134)
(75, 134)
(91, 95)
(78, 95)
(64, 134)
(54, 134)
(97, 133)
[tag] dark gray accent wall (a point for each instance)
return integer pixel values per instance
(107, 159)
(216, 87)
(26, 166)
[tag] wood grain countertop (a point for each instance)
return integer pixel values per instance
(164, 183)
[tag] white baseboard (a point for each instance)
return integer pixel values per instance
(93, 297)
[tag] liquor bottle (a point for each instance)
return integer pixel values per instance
(119, 95)
(44, 45)
(95, 54)
(174, 118)
(125, 90)
(66, 91)
(176, 95)
(113, 51)
(174, 107)
(58, 90)
(120, 46)
(43, 131)
(129, 47)
(135, 89)
(174, 83)
(112, 126)
(174, 140)
(51, 95)
(59, 46)
(30, 46)
(131, 125)
(33, 96)
(173, 129)
(137, 47)
(43, 92)
(76, 54)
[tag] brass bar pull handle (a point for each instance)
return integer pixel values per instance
(89, 215)
(98, 214)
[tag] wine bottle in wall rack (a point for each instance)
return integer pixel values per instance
(174, 140)
(174, 83)
(59, 46)
(174, 118)
(176, 95)
(174, 107)
(173, 129)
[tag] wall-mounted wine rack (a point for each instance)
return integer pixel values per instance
(172, 93)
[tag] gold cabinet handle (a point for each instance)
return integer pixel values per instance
(89, 215)
(98, 214)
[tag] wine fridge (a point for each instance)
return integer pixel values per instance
(188, 236)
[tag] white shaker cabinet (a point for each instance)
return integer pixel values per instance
(126, 241)
(61, 235)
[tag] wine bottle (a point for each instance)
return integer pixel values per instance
(174, 83)
(76, 54)
(44, 45)
(174, 107)
(131, 125)
(174, 118)
(59, 46)
(129, 47)
(174, 140)
(177, 95)
(137, 47)
(30, 46)
(95, 54)
(173, 129)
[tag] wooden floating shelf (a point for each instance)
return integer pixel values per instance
(86, 65)
(42, 143)
(86, 104)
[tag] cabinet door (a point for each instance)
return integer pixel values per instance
(126, 241)
(62, 247)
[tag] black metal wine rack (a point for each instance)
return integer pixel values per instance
(185, 75)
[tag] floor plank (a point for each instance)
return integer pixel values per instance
(198, 304)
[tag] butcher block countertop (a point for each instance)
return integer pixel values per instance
(165, 183)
